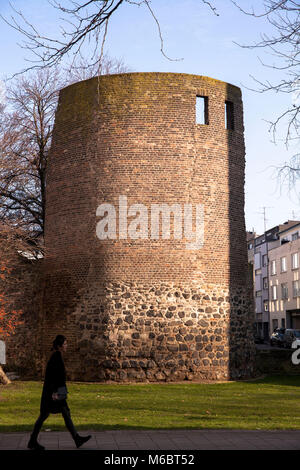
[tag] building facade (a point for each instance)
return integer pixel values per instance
(275, 279)
(261, 246)
(284, 287)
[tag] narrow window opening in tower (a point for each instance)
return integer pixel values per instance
(229, 115)
(201, 110)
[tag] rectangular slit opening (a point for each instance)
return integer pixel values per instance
(229, 115)
(201, 110)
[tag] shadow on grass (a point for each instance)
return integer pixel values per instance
(284, 380)
(274, 379)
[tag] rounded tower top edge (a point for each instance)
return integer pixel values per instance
(165, 75)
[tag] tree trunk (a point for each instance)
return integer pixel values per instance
(4, 380)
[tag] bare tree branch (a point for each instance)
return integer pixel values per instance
(81, 21)
(25, 139)
(283, 43)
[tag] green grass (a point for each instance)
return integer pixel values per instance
(268, 403)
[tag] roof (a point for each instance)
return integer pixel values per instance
(288, 225)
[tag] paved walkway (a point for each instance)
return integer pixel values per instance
(162, 440)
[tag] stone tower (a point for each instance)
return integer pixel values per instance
(148, 307)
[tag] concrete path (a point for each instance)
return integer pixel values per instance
(161, 440)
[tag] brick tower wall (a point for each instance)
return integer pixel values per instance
(147, 309)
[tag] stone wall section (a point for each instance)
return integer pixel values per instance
(163, 332)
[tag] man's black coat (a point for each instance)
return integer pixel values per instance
(55, 377)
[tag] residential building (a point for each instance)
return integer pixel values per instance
(284, 286)
(258, 254)
(262, 244)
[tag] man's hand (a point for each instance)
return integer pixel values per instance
(54, 396)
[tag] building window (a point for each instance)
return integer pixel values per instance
(266, 306)
(283, 323)
(295, 261)
(265, 283)
(273, 267)
(229, 115)
(274, 292)
(283, 264)
(296, 291)
(201, 110)
(284, 291)
(295, 236)
(258, 293)
(257, 261)
(265, 260)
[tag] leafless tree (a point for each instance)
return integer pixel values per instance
(283, 43)
(82, 21)
(81, 69)
(25, 138)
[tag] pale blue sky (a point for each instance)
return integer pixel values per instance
(206, 44)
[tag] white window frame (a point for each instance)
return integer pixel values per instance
(274, 292)
(273, 267)
(295, 256)
(283, 264)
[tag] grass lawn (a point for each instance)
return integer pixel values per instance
(268, 403)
